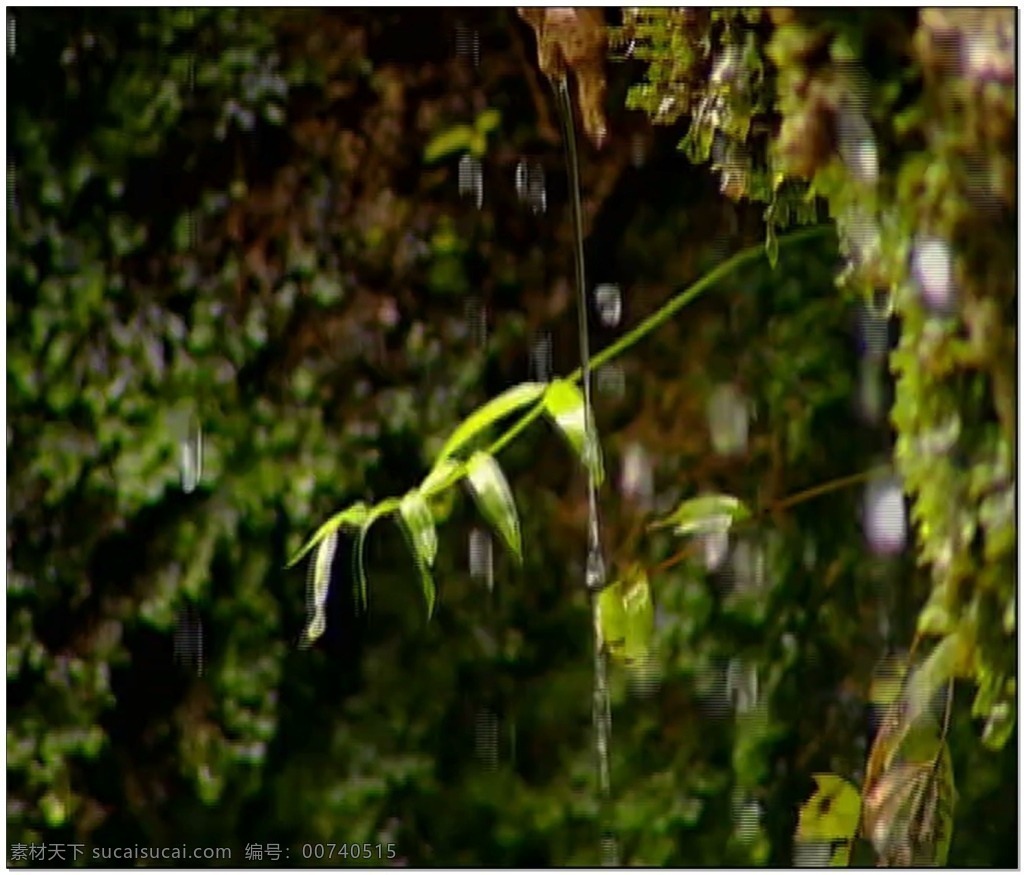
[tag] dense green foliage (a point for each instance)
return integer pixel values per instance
(251, 220)
(903, 123)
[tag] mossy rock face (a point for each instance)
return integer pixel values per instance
(902, 122)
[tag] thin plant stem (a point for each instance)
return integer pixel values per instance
(694, 291)
(782, 504)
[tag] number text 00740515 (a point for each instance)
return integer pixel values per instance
(348, 851)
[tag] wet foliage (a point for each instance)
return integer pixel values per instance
(303, 279)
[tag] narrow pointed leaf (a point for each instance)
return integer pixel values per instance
(419, 525)
(455, 139)
(428, 587)
(382, 509)
(494, 498)
(832, 813)
(351, 517)
(319, 583)
(564, 404)
(566, 408)
(488, 120)
(314, 630)
(706, 513)
(494, 410)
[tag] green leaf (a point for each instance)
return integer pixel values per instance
(565, 406)
(949, 659)
(484, 417)
(488, 120)
(455, 139)
(921, 742)
(316, 627)
(934, 619)
(382, 509)
(478, 144)
(443, 475)
(771, 244)
(494, 498)
(999, 726)
(418, 525)
(706, 513)
(428, 587)
(625, 616)
(319, 582)
(887, 681)
(832, 813)
(54, 810)
(352, 517)
(841, 855)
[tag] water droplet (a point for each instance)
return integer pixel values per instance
(611, 380)
(530, 186)
(471, 179)
(486, 740)
(638, 150)
(748, 567)
(188, 639)
(741, 684)
(810, 553)
(608, 300)
(476, 320)
(885, 518)
(592, 455)
(467, 44)
(709, 682)
(540, 359)
(609, 851)
(728, 420)
(192, 455)
(861, 234)
(746, 814)
(881, 305)
(857, 146)
(713, 544)
(874, 331)
(645, 674)
(812, 855)
(932, 268)
(12, 186)
(596, 574)
(637, 479)
(481, 557)
(871, 391)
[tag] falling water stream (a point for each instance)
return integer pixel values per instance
(596, 575)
